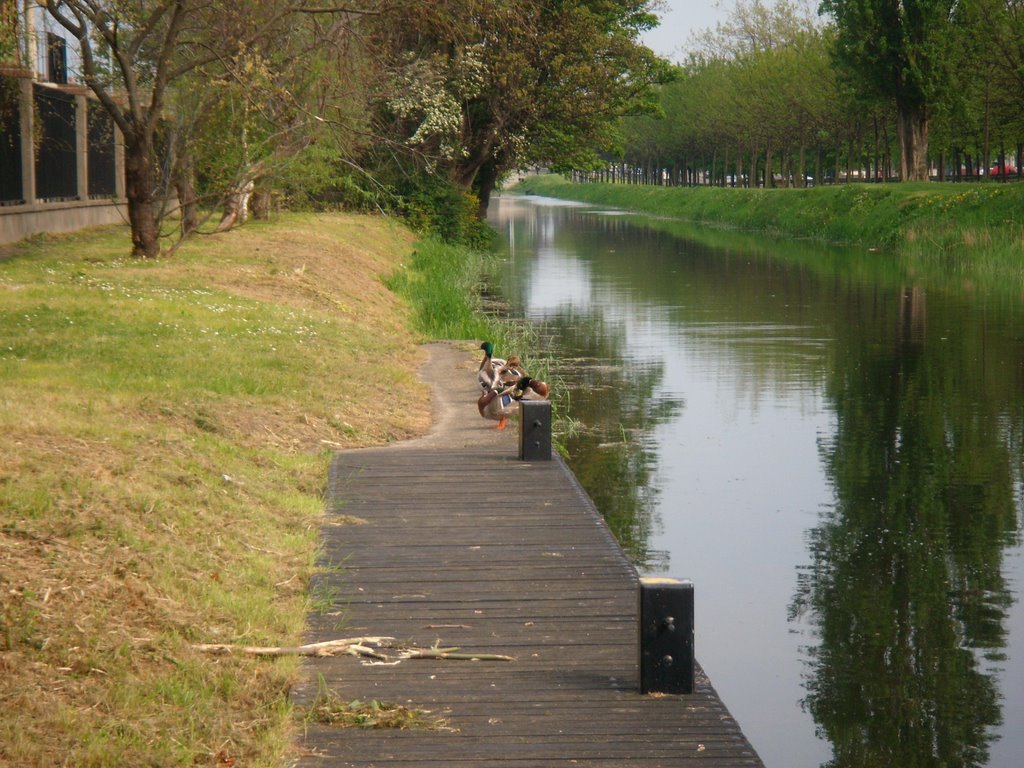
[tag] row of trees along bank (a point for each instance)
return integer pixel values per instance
(390, 104)
(795, 93)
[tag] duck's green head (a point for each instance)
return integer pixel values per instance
(488, 348)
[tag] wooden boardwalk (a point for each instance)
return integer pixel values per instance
(470, 547)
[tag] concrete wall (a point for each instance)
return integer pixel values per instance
(20, 221)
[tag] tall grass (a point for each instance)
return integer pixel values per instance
(443, 284)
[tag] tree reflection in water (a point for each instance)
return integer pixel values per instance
(617, 406)
(906, 581)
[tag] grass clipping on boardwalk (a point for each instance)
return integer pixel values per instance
(165, 429)
(330, 709)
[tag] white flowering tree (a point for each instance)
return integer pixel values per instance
(429, 93)
(479, 88)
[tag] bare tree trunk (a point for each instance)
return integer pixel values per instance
(887, 154)
(184, 174)
(236, 206)
(260, 204)
(876, 172)
(486, 180)
(138, 173)
(986, 148)
(912, 127)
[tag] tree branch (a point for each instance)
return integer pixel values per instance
(354, 646)
(300, 9)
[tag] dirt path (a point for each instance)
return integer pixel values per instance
(450, 371)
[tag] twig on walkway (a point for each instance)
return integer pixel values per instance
(354, 646)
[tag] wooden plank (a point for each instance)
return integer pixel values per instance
(540, 578)
(467, 546)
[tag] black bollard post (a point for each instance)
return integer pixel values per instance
(666, 636)
(535, 430)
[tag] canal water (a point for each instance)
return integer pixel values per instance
(829, 447)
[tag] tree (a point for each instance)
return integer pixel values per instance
(761, 89)
(996, 61)
(515, 82)
(134, 52)
(898, 49)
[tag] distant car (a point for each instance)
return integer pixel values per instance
(1005, 169)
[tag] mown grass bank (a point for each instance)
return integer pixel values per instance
(165, 432)
(975, 229)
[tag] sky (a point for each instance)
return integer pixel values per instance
(680, 20)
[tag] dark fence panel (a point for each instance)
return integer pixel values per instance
(10, 144)
(102, 179)
(56, 163)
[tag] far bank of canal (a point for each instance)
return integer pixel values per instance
(830, 449)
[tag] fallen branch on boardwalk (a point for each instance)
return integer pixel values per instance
(354, 646)
(451, 653)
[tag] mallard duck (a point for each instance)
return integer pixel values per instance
(489, 366)
(500, 403)
(533, 389)
(510, 372)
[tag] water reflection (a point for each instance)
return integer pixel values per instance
(906, 581)
(833, 451)
(618, 407)
(617, 396)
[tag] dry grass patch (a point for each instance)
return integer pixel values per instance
(165, 429)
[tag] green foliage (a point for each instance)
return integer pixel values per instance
(8, 100)
(8, 31)
(433, 206)
(857, 93)
(895, 48)
(320, 179)
(764, 90)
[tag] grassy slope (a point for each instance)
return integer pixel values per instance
(165, 429)
(975, 228)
